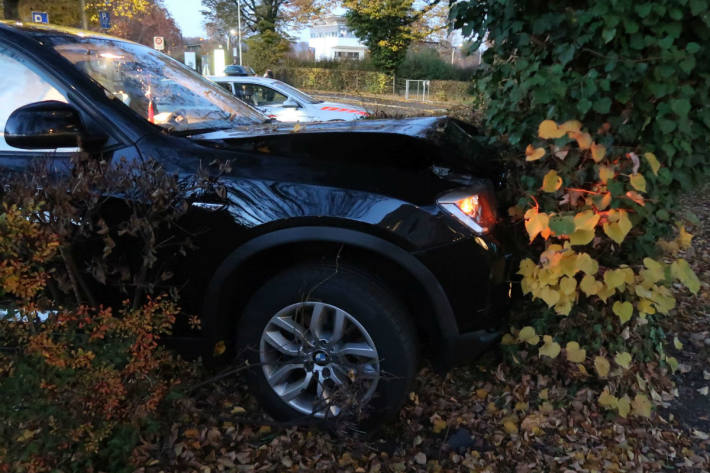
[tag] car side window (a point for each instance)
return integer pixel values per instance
(226, 86)
(263, 96)
(21, 84)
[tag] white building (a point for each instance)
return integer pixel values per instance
(331, 39)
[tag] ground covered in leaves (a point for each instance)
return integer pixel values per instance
(489, 416)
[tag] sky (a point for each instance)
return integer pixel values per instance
(187, 15)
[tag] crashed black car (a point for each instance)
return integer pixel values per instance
(343, 253)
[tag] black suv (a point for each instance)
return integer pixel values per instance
(343, 251)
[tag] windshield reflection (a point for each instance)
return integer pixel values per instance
(155, 86)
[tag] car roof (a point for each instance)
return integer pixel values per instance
(41, 29)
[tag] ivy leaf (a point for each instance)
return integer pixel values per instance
(601, 365)
(550, 348)
(641, 405)
(618, 225)
(623, 359)
(624, 310)
(638, 182)
(562, 225)
(528, 335)
(550, 296)
(598, 152)
(574, 353)
(603, 105)
(584, 140)
(681, 270)
(653, 162)
(533, 154)
(586, 264)
(680, 107)
(590, 286)
(684, 238)
(219, 348)
(606, 173)
(551, 182)
(536, 223)
(571, 126)
(548, 129)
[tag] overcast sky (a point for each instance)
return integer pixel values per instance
(187, 15)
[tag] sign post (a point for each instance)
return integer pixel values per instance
(40, 17)
(159, 43)
(105, 19)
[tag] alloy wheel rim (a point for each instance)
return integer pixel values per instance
(319, 359)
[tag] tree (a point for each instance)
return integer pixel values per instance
(265, 50)
(387, 27)
(259, 16)
(154, 21)
(68, 12)
(10, 9)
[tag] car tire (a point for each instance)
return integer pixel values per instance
(341, 325)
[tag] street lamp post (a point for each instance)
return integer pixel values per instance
(239, 28)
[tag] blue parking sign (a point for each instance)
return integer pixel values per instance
(40, 17)
(105, 19)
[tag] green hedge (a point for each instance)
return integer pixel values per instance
(336, 80)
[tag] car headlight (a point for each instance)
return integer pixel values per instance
(473, 208)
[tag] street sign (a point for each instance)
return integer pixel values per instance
(105, 19)
(40, 17)
(159, 43)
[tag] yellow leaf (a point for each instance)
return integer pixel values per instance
(507, 340)
(238, 410)
(551, 182)
(615, 278)
(296, 128)
(673, 363)
(528, 335)
(575, 354)
(439, 425)
(509, 425)
(549, 295)
(684, 238)
(681, 270)
(550, 348)
(568, 285)
(481, 393)
(607, 400)
(624, 310)
(536, 222)
(636, 197)
(623, 359)
(677, 344)
(587, 264)
(653, 162)
(586, 220)
(27, 435)
(601, 365)
(645, 306)
(605, 292)
(590, 286)
(571, 125)
(641, 406)
(548, 130)
(654, 271)
(623, 406)
(533, 154)
(521, 406)
(544, 394)
(219, 348)
(584, 140)
(638, 182)
(606, 173)
(617, 230)
(581, 237)
(598, 152)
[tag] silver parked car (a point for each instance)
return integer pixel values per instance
(285, 103)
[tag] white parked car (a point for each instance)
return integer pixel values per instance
(279, 100)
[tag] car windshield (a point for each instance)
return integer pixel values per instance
(297, 93)
(158, 88)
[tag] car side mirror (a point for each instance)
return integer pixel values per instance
(48, 125)
(290, 103)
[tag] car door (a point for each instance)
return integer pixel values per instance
(275, 104)
(22, 82)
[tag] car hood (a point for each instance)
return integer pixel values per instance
(410, 142)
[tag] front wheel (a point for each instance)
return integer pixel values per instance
(327, 342)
